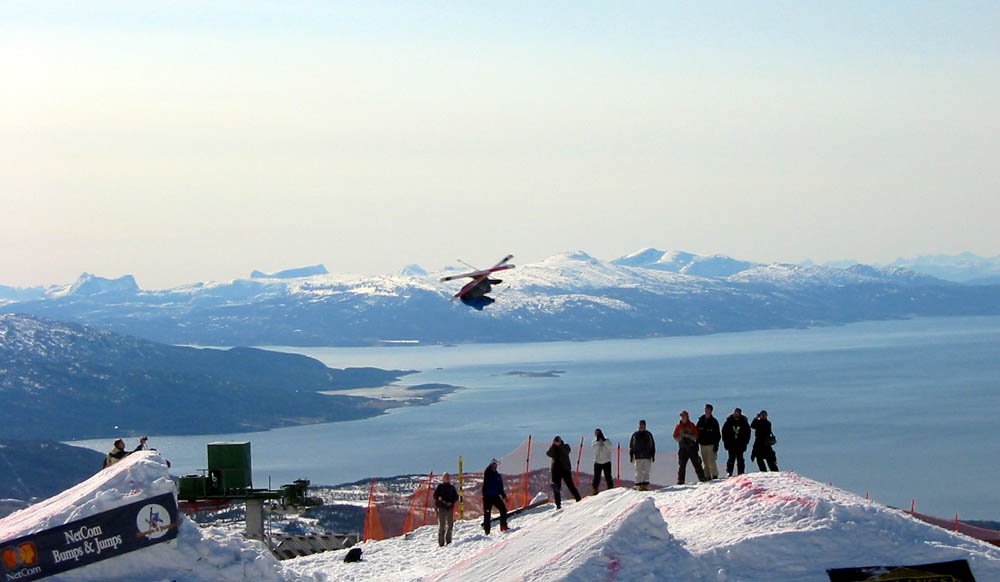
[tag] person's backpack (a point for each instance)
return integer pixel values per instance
(354, 555)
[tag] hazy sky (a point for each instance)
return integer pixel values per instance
(187, 141)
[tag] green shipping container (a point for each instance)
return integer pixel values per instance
(229, 468)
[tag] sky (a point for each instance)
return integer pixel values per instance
(193, 141)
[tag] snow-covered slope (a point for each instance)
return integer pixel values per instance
(760, 526)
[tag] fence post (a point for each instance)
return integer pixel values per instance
(579, 455)
(427, 496)
(461, 496)
(527, 475)
(913, 506)
(619, 464)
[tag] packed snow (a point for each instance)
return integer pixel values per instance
(759, 526)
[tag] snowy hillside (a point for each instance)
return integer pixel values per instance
(67, 381)
(760, 526)
(571, 296)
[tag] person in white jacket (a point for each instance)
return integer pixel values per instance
(602, 460)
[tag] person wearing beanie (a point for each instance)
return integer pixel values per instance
(763, 443)
(445, 497)
(686, 435)
(493, 496)
(736, 437)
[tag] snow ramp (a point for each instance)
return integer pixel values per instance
(781, 526)
(618, 535)
(139, 480)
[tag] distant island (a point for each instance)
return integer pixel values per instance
(545, 374)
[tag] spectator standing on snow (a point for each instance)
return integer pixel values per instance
(763, 443)
(736, 437)
(562, 470)
(118, 451)
(642, 452)
(493, 496)
(686, 435)
(602, 460)
(709, 436)
(445, 497)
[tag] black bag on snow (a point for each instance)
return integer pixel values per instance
(354, 555)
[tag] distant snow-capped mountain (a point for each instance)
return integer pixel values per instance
(291, 273)
(715, 266)
(568, 296)
(963, 267)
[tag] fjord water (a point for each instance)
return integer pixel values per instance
(899, 409)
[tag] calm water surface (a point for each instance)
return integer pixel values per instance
(900, 409)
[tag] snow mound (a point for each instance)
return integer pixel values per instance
(757, 527)
(195, 555)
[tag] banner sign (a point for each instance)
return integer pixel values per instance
(105, 535)
(954, 571)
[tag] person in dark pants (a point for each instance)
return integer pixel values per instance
(686, 435)
(736, 437)
(562, 470)
(445, 497)
(763, 443)
(493, 496)
(709, 436)
(602, 460)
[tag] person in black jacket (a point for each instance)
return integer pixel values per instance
(642, 452)
(763, 443)
(562, 470)
(493, 496)
(736, 438)
(445, 497)
(709, 436)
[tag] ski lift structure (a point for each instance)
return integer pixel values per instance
(229, 479)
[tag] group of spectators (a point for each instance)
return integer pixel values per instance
(698, 444)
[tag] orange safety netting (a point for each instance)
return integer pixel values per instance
(986, 535)
(525, 472)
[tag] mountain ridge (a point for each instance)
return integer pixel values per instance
(572, 296)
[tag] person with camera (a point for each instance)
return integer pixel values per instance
(445, 497)
(736, 438)
(763, 443)
(686, 435)
(562, 470)
(118, 451)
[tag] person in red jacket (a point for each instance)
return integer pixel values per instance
(686, 435)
